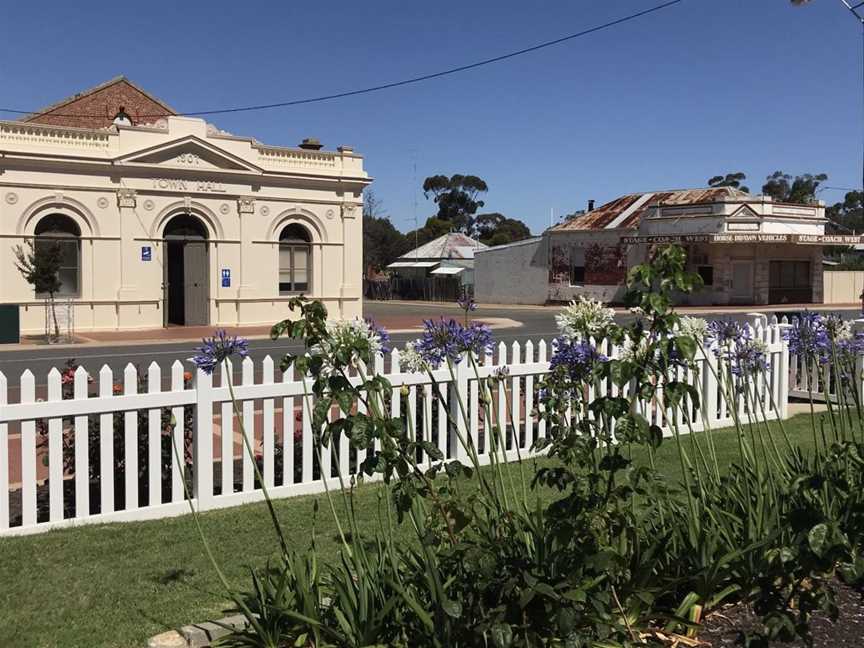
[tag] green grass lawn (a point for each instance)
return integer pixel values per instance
(118, 584)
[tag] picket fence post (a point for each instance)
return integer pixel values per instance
(782, 397)
(458, 392)
(858, 329)
(710, 386)
(202, 456)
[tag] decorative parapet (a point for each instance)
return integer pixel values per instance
(28, 134)
(284, 158)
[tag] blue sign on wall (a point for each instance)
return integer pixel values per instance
(146, 253)
(226, 277)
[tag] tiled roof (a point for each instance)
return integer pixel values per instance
(450, 246)
(626, 212)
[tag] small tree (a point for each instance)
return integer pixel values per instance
(40, 267)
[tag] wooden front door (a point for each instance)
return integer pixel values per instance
(742, 282)
(195, 283)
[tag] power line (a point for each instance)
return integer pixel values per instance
(404, 82)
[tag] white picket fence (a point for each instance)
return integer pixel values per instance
(812, 380)
(63, 460)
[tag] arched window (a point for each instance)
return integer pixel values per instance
(295, 259)
(60, 230)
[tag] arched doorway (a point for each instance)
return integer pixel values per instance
(186, 272)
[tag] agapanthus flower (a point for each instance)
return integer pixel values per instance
(632, 351)
(220, 347)
(578, 358)
(381, 332)
(648, 351)
(747, 358)
(467, 304)
(447, 340)
(723, 334)
(410, 359)
(808, 338)
(356, 339)
(694, 327)
(585, 317)
(845, 340)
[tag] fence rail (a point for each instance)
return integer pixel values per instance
(100, 449)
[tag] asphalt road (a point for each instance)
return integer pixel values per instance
(536, 324)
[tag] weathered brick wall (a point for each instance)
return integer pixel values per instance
(97, 110)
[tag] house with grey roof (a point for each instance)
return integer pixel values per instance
(437, 270)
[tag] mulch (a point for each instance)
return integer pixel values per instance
(722, 629)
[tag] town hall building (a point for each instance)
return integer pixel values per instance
(167, 220)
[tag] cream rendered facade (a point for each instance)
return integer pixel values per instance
(122, 186)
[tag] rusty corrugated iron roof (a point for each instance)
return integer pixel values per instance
(626, 212)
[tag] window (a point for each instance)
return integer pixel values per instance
(707, 274)
(295, 255)
(577, 266)
(60, 230)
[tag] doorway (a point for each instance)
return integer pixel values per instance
(742, 282)
(186, 272)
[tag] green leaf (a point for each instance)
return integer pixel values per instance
(686, 346)
(817, 537)
(345, 400)
(502, 635)
(432, 450)
(452, 608)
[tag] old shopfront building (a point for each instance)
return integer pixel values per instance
(167, 220)
(748, 250)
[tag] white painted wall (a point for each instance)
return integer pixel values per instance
(512, 274)
(121, 188)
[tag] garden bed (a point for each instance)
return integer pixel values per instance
(722, 629)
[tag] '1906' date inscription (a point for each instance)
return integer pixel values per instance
(202, 186)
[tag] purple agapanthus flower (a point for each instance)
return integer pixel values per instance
(808, 338)
(853, 345)
(467, 304)
(448, 340)
(578, 357)
(723, 334)
(382, 334)
(747, 358)
(220, 347)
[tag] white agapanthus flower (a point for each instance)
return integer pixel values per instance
(584, 317)
(347, 334)
(634, 352)
(410, 360)
(843, 332)
(694, 327)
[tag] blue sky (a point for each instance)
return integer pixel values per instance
(702, 88)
